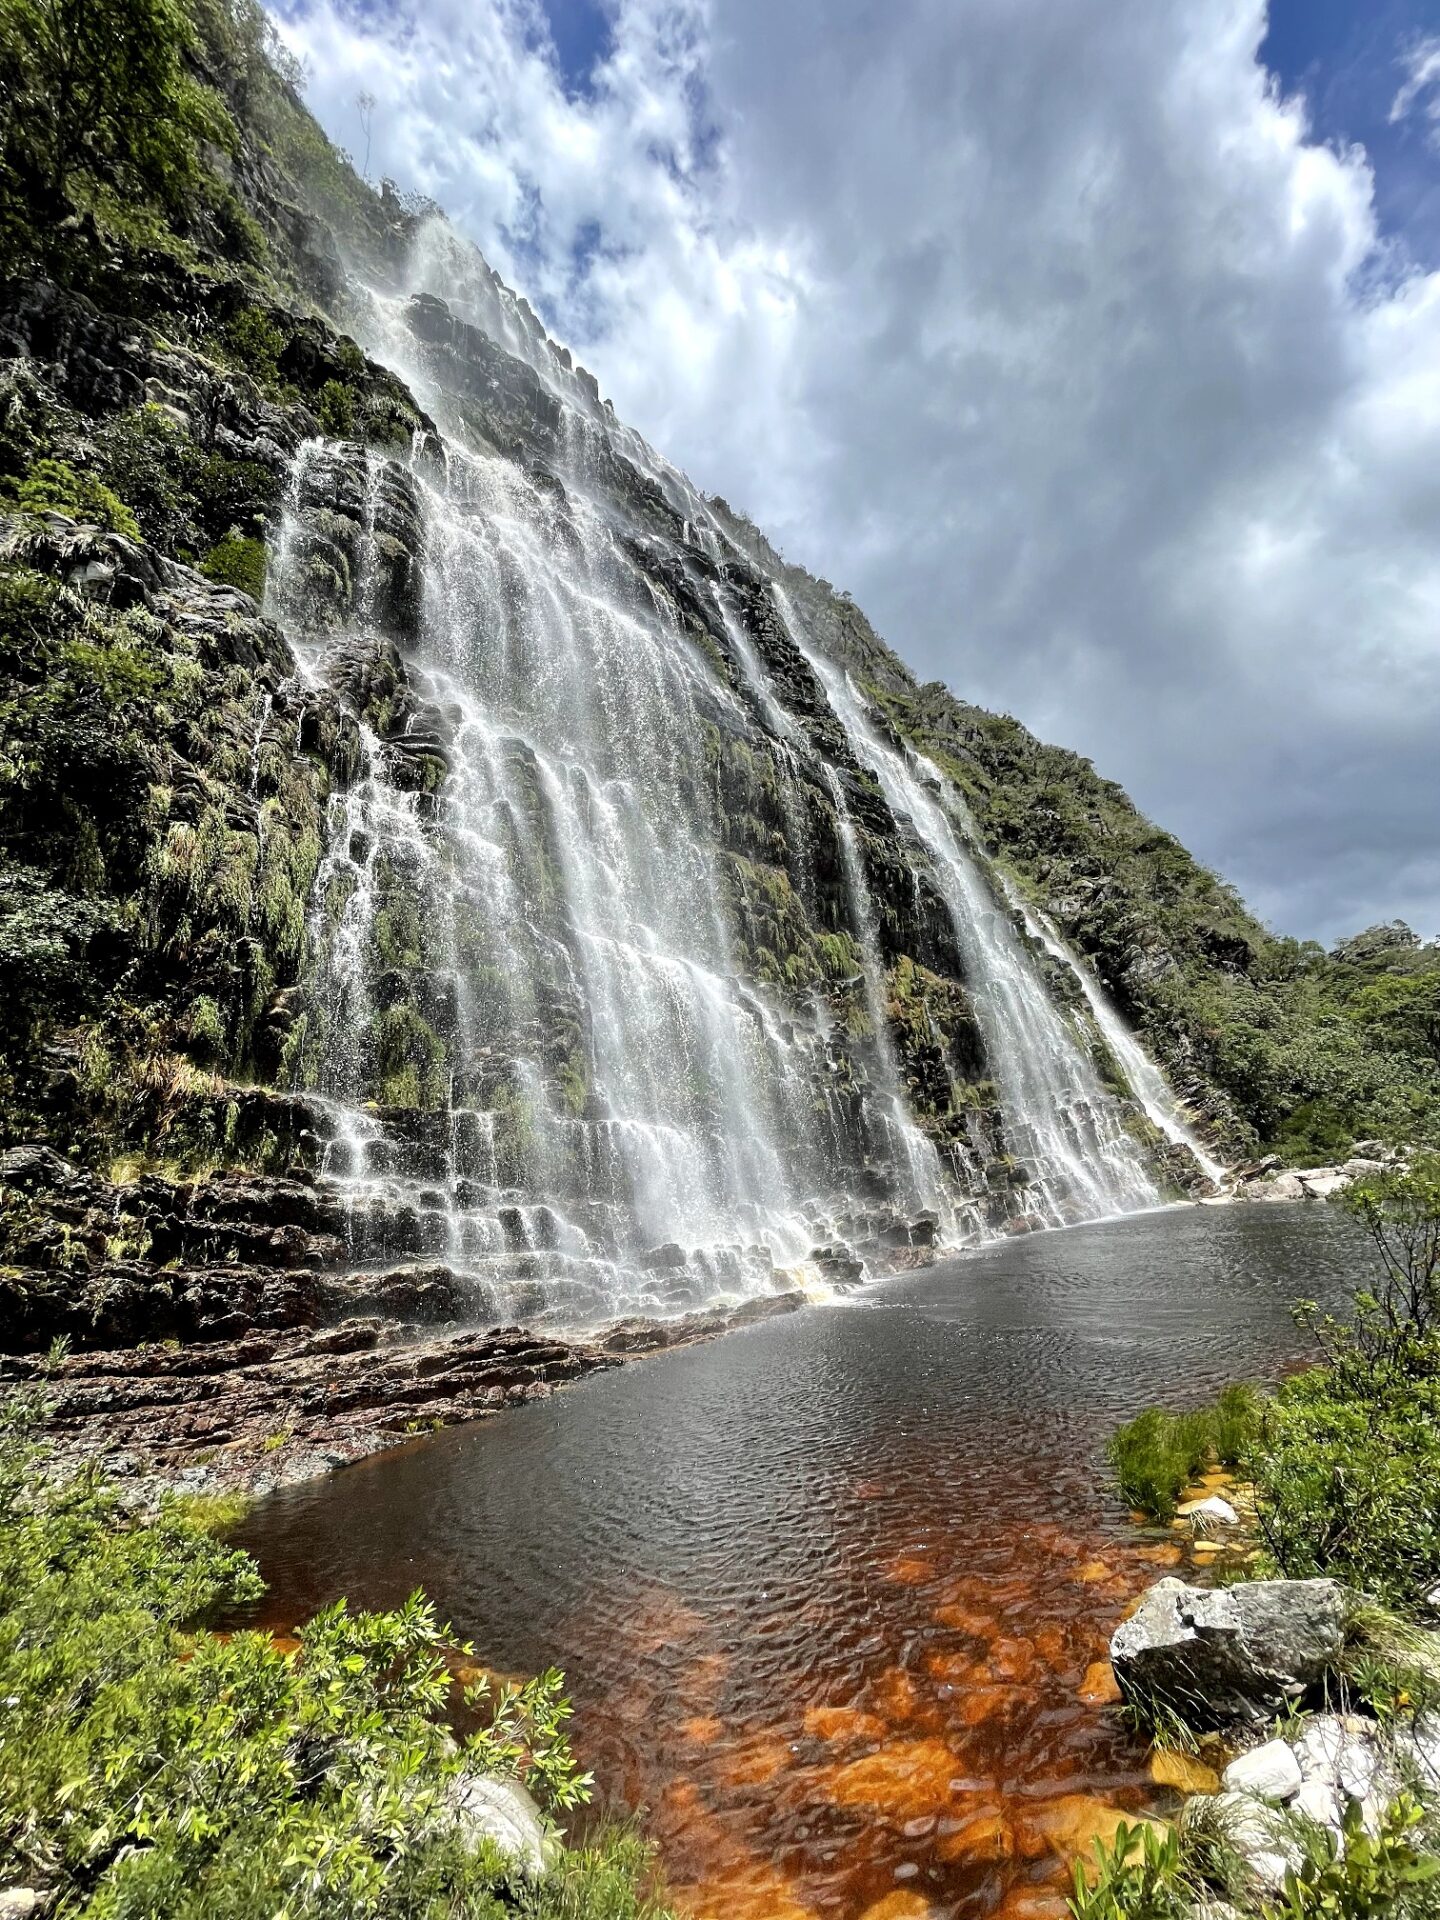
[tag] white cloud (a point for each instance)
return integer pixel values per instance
(1422, 84)
(1037, 323)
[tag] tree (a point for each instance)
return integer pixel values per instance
(1401, 1010)
(99, 91)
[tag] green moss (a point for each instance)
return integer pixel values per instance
(409, 1059)
(51, 486)
(238, 561)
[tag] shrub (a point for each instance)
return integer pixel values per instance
(152, 1768)
(1362, 1874)
(336, 410)
(253, 341)
(1347, 1485)
(1139, 1876)
(237, 561)
(52, 486)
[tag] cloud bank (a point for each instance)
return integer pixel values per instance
(1042, 326)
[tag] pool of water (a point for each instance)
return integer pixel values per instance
(828, 1590)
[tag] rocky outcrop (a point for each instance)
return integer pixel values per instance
(1237, 1653)
(1269, 1180)
(219, 1328)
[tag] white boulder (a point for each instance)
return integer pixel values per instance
(485, 1807)
(1270, 1773)
(1262, 1835)
(1318, 1801)
(1319, 1747)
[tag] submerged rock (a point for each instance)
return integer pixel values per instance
(1232, 1653)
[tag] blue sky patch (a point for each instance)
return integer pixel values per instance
(580, 31)
(1346, 56)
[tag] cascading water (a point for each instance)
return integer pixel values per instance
(577, 1099)
(1145, 1079)
(1061, 1124)
(549, 1057)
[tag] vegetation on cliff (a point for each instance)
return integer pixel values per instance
(152, 1767)
(1278, 1044)
(169, 213)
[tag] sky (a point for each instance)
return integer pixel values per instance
(1094, 345)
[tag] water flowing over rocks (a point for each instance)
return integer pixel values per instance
(536, 920)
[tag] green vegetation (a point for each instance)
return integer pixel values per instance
(1142, 1875)
(1158, 1454)
(134, 927)
(238, 562)
(1347, 1458)
(154, 1768)
(101, 109)
(53, 487)
(1344, 1460)
(1344, 1457)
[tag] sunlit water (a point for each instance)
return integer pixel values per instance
(826, 1591)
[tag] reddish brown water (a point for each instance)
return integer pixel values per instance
(829, 1592)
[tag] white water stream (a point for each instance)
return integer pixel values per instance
(544, 1060)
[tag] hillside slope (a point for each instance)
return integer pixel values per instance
(197, 800)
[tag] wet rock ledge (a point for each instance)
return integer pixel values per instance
(215, 1341)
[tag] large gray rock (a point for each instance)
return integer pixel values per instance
(501, 1811)
(1230, 1653)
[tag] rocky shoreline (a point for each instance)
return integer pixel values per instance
(220, 1335)
(211, 1338)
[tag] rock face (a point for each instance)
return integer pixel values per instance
(1232, 1653)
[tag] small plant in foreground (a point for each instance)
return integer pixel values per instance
(1139, 1876)
(149, 1768)
(1360, 1876)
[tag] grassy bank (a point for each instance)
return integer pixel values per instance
(1344, 1458)
(1343, 1461)
(149, 1768)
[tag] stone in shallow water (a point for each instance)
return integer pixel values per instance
(1100, 1688)
(1183, 1772)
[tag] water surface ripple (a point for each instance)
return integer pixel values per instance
(827, 1590)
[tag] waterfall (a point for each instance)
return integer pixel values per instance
(1144, 1078)
(1060, 1122)
(541, 1059)
(598, 1008)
